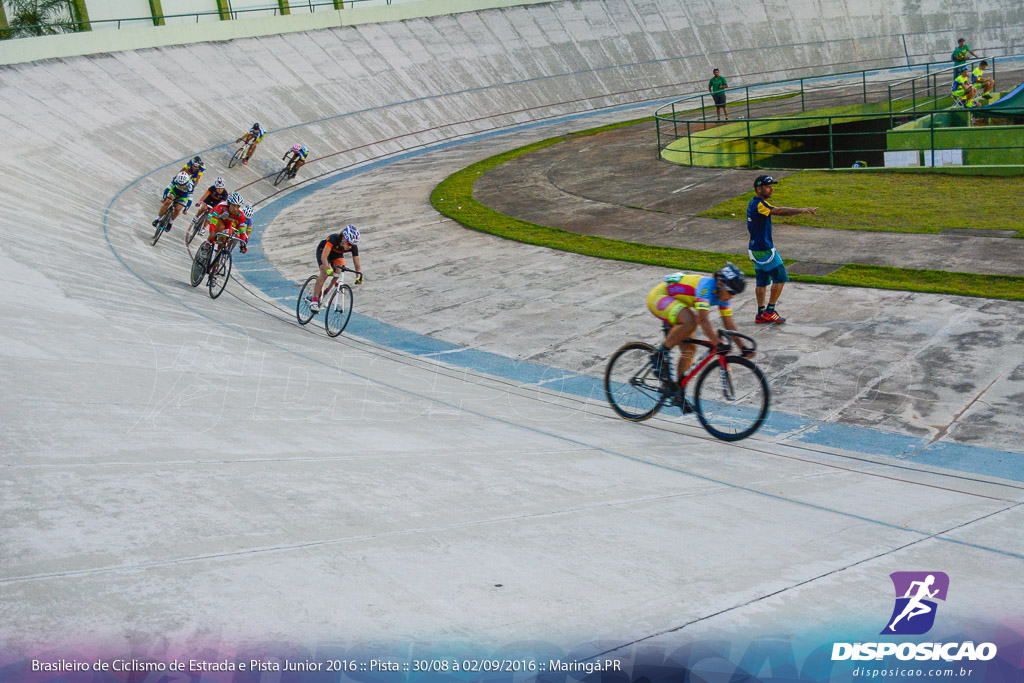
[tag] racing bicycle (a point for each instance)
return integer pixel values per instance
(338, 296)
(163, 223)
(730, 395)
(240, 154)
(215, 266)
(199, 222)
(284, 173)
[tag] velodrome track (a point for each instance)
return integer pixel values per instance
(179, 471)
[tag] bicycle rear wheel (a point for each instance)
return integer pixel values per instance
(237, 156)
(731, 403)
(221, 273)
(631, 382)
(199, 264)
(339, 310)
(302, 310)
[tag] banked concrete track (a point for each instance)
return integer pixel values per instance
(181, 472)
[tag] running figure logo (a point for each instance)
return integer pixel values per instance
(914, 612)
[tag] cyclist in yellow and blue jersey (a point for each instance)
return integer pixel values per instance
(195, 169)
(684, 301)
(254, 136)
(180, 192)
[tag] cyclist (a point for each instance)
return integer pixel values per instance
(684, 301)
(180, 193)
(298, 160)
(215, 194)
(194, 169)
(330, 254)
(253, 136)
(228, 218)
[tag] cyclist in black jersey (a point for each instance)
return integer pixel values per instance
(215, 194)
(330, 254)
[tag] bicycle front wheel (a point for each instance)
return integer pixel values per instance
(280, 176)
(302, 310)
(165, 219)
(199, 264)
(339, 309)
(731, 402)
(198, 223)
(631, 382)
(237, 157)
(221, 273)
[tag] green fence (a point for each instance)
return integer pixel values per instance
(863, 119)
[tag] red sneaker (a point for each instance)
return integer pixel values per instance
(774, 317)
(762, 318)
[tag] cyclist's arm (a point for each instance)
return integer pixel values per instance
(727, 323)
(788, 211)
(704, 319)
(355, 261)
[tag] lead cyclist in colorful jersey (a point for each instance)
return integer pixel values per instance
(255, 137)
(684, 301)
(330, 254)
(298, 160)
(180, 193)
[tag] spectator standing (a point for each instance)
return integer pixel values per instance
(768, 266)
(961, 52)
(717, 86)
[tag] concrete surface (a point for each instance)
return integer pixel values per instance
(184, 474)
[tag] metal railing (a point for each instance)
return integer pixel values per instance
(12, 32)
(775, 129)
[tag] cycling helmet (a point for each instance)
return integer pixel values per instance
(350, 233)
(731, 278)
(197, 161)
(255, 126)
(247, 211)
(219, 183)
(235, 198)
(182, 178)
(296, 148)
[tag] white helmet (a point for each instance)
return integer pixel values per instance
(219, 183)
(182, 178)
(235, 198)
(350, 233)
(247, 211)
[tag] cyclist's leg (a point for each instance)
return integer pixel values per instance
(322, 275)
(252, 150)
(178, 206)
(684, 325)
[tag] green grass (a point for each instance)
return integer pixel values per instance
(893, 202)
(453, 197)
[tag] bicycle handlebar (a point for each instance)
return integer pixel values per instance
(729, 334)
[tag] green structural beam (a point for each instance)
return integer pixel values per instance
(283, 5)
(3, 22)
(157, 12)
(81, 14)
(339, 4)
(224, 8)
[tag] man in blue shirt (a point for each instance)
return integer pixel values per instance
(768, 266)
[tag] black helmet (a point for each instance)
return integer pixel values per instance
(731, 277)
(255, 126)
(198, 160)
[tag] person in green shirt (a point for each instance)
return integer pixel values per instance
(981, 81)
(717, 86)
(961, 52)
